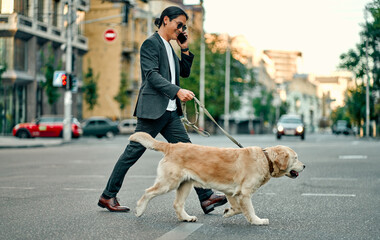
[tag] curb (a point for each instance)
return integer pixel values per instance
(32, 145)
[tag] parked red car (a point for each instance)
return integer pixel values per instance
(46, 127)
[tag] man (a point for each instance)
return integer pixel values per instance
(158, 106)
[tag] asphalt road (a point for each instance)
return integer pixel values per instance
(52, 193)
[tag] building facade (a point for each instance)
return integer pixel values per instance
(303, 100)
(286, 63)
(131, 22)
(32, 35)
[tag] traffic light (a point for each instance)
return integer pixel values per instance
(60, 79)
(64, 80)
(73, 83)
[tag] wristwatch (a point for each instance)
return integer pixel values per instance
(184, 49)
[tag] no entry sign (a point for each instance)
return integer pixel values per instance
(110, 35)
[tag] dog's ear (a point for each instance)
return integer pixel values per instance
(280, 160)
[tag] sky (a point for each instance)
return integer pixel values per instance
(321, 29)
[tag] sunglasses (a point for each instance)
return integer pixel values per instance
(180, 25)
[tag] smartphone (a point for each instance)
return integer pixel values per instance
(181, 38)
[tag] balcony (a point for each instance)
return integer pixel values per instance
(28, 27)
(130, 48)
(84, 5)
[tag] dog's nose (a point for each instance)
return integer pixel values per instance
(304, 166)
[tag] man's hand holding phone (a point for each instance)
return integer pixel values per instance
(182, 40)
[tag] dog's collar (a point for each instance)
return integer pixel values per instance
(270, 164)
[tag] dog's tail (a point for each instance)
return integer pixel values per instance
(148, 141)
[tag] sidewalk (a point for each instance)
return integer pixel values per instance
(14, 142)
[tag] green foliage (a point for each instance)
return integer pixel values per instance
(90, 88)
(52, 92)
(121, 97)
(355, 59)
(264, 107)
(215, 65)
(340, 113)
(3, 68)
(356, 105)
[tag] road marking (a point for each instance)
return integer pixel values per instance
(327, 195)
(142, 176)
(87, 176)
(181, 232)
(334, 179)
(81, 189)
(269, 193)
(353, 156)
(22, 188)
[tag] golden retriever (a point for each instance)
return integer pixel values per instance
(238, 173)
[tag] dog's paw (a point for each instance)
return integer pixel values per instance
(190, 219)
(265, 221)
(228, 212)
(138, 212)
(260, 222)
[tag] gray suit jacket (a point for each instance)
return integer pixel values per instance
(156, 88)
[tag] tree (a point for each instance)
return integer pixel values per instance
(3, 68)
(122, 97)
(355, 103)
(48, 68)
(355, 60)
(90, 88)
(215, 62)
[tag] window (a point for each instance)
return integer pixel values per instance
(3, 51)
(40, 9)
(20, 55)
(102, 123)
(46, 120)
(21, 7)
(55, 12)
(91, 123)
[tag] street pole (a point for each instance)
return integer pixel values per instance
(68, 94)
(227, 87)
(202, 73)
(368, 79)
(149, 19)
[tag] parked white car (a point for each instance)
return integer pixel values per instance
(127, 126)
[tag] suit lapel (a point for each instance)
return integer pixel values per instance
(176, 61)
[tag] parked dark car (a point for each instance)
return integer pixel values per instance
(100, 127)
(290, 125)
(46, 126)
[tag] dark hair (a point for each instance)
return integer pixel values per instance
(172, 12)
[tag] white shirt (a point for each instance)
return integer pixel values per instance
(172, 106)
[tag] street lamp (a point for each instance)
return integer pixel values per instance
(367, 73)
(227, 86)
(202, 72)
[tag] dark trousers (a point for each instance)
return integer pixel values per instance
(171, 128)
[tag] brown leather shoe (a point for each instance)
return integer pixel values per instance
(112, 205)
(214, 201)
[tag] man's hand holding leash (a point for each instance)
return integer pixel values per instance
(185, 95)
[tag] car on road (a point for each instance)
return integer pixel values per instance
(46, 126)
(341, 127)
(100, 127)
(127, 126)
(290, 125)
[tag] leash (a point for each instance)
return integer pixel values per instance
(203, 132)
